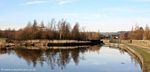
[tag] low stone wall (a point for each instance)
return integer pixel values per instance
(48, 43)
(144, 43)
(39, 43)
(54, 41)
(2, 43)
(106, 41)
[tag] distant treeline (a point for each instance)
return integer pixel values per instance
(54, 30)
(137, 33)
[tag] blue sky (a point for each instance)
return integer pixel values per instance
(93, 15)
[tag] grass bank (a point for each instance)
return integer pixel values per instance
(145, 55)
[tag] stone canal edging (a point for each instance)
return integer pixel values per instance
(138, 55)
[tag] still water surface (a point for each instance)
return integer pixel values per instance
(91, 59)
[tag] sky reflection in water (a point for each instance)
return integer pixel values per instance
(91, 59)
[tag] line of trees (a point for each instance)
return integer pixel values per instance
(137, 33)
(54, 30)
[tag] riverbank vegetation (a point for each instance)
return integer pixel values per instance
(137, 33)
(54, 30)
(138, 36)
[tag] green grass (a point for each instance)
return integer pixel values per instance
(2, 40)
(145, 55)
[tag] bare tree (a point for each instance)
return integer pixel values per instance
(147, 33)
(75, 32)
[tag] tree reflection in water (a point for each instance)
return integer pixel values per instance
(53, 57)
(31, 56)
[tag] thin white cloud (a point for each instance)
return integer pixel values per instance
(125, 10)
(34, 2)
(63, 2)
(58, 2)
(141, 0)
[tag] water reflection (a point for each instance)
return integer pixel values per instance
(57, 57)
(133, 58)
(6, 51)
(31, 56)
(53, 57)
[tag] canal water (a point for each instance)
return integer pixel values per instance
(84, 59)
